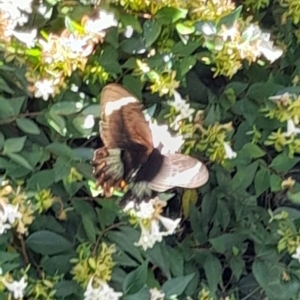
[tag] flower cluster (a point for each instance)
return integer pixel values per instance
(62, 54)
(16, 288)
(13, 13)
(210, 9)
(213, 141)
(242, 41)
(9, 213)
(256, 5)
(284, 108)
(182, 109)
(102, 292)
(148, 217)
(98, 264)
(292, 10)
(151, 6)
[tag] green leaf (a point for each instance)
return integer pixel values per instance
(261, 90)
(213, 272)
(41, 180)
(48, 243)
(125, 239)
(73, 26)
(282, 163)
(275, 183)
(269, 277)
(151, 31)
(169, 15)
(244, 176)
(89, 228)
(223, 214)
(14, 145)
(27, 126)
(185, 28)
(237, 265)
(176, 286)
(134, 85)
(65, 108)
(159, 256)
(20, 160)
(136, 279)
(226, 241)
(62, 150)
(6, 110)
(185, 49)
(229, 20)
(57, 123)
(294, 197)
(17, 103)
(262, 181)
(66, 288)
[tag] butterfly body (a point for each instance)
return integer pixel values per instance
(128, 153)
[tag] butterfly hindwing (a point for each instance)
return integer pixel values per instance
(179, 170)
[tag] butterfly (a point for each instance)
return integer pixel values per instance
(129, 157)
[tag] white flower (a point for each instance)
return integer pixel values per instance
(183, 108)
(284, 98)
(28, 38)
(156, 294)
(162, 137)
(16, 287)
(74, 88)
(297, 254)
(149, 219)
(291, 129)
(104, 21)
(12, 213)
(4, 227)
(44, 88)
(229, 153)
(102, 292)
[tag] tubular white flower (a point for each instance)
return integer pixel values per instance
(297, 254)
(12, 213)
(291, 128)
(104, 21)
(229, 153)
(150, 221)
(162, 137)
(156, 294)
(28, 38)
(17, 288)
(102, 292)
(183, 108)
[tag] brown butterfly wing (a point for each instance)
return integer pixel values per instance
(179, 170)
(122, 126)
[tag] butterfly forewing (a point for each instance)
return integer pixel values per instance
(122, 122)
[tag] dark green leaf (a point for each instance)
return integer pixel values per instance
(14, 145)
(151, 31)
(176, 286)
(282, 163)
(48, 243)
(213, 272)
(136, 279)
(27, 126)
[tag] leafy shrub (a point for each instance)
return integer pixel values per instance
(222, 78)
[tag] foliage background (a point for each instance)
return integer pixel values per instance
(238, 232)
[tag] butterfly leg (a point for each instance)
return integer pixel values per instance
(108, 169)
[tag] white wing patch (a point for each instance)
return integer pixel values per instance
(112, 106)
